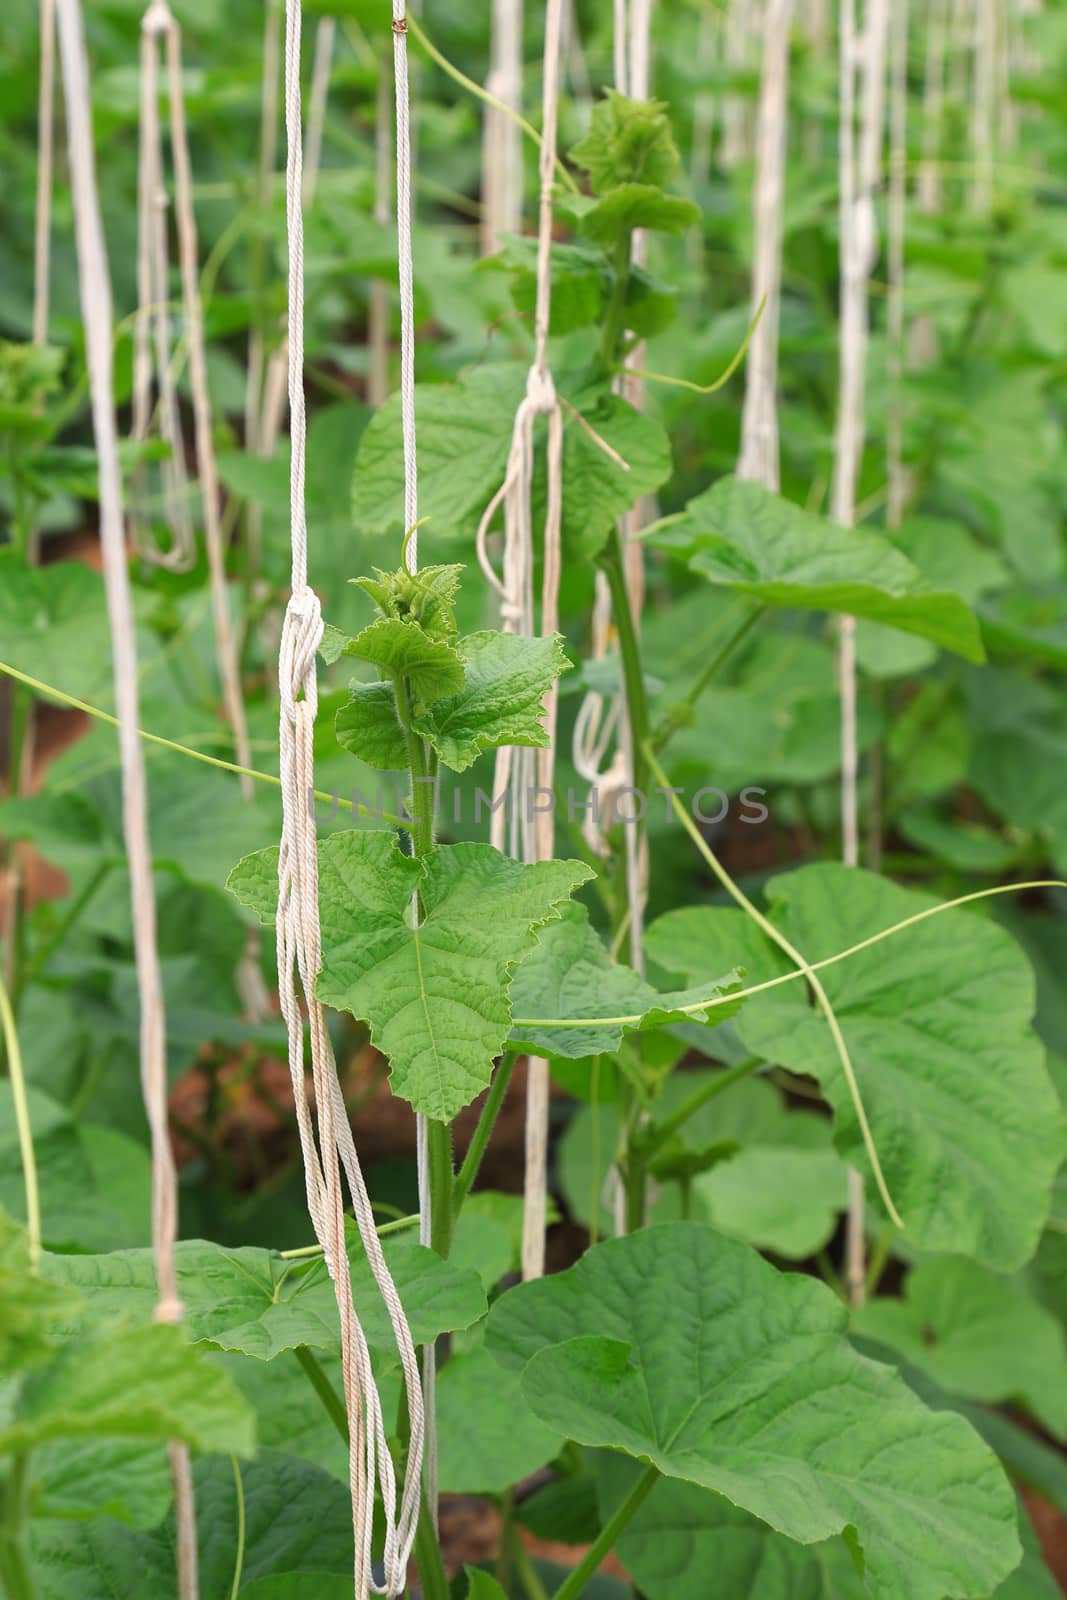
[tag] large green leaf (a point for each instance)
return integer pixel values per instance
(976, 1335)
(937, 1023)
(683, 1532)
(146, 1383)
(569, 976)
(253, 1301)
(740, 535)
(128, 1479)
(488, 1437)
(54, 624)
(95, 1182)
(298, 1520)
(689, 1351)
(435, 996)
(465, 433)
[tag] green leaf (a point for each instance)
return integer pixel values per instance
(482, 1585)
(29, 1305)
(502, 699)
(977, 1335)
(488, 1436)
(683, 1532)
(937, 1023)
(300, 1586)
(298, 1521)
(569, 975)
(596, 490)
(743, 537)
(146, 1383)
(629, 141)
(432, 666)
(95, 1183)
(781, 1187)
(128, 1479)
(581, 280)
(749, 1387)
(254, 1302)
(54, 624)
(465, 431)
(435, 997)
(367, 724)
(637, 205)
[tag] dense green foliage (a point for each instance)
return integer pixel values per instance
(701, 1401)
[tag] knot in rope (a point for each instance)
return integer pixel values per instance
(157, 19)
(301, 636)
(540, 392)
(169, 1309)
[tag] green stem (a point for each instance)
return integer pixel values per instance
(529, 1576)
(708, 1091)
(439, 1135)
(43, 955)
(614, 328)
(23, 1126)
(429, 1562)
(679, 715)
(15, 1571)
(239, 1559)
(572, 1587)
(483, 1132)
(332, 1403)
(633, 677)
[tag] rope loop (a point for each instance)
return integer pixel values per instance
(157, 19)
(540, 391)
(302, 632)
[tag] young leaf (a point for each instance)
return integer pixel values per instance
(750, 1387)
(368, 726)
(146, 1383)
(482, 1585)
(502, 699)
(629, 141)
(637, 205)
(253, 1302)
(741, 536)
(435, 996)
(432, 666)
(937, 1022)
(977, 1335)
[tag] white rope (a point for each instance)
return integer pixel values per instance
(501, 137)
(378, 300)
(929, 180)
(299, 953)
(152, 328)
(42, 233)
(97, 318)
(983, 120)
(529, 836)
(737, 50)
(859, 173)
(896, 476)
(758, 458)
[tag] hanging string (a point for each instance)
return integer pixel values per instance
(896, 476)
(758, 458)
(97, 319)
(152, 329)
(300, 957)
(42, 232)
(859, 171)
(983, 120)
(529, 836)
(405, 278)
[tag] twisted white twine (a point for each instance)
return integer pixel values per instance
(98, 322)
(299, 948)
(152, 327)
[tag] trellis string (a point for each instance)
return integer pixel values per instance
(97, 318)
(300, 955)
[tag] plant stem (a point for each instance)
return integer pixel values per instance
(678, 715)
(708, 1091)
(15, 1571)
(483, 1132)
(529, 1576)
(633, 677)
(428, 1559)
(41, 957)
(614, 328)
(239, 1559)
(439, 1135)
(331, 1400)
(23, 1126)
(572, 1587)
